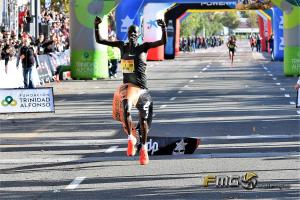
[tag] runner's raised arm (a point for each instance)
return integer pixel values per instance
(163, 39)
(101, 40)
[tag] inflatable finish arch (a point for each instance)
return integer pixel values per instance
(265, 30)
(178, 10)
(291, 24)
(89, 60)
(276, 17)
(128, 13)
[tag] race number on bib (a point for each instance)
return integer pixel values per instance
(127, 66)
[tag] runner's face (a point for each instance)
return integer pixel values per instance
(133, 34)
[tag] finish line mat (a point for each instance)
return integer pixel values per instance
(171, 145)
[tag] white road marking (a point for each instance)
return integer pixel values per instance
(292, 103)
(282, 89)
(298, 111)
(265, 68)
(208, 66)
(278, 83)
(274, 79)
(111, 149)
(270, 74)
(173, 98)
(191, 81)
(204, 69)
(245, 155)
(253, 136)
(61, 101)
(287, 95)
(196, 76)
(153, 115)
(200, 72)
(81, 93)
(75, 183)
(163, 106)
(186, 86)
(179, 92)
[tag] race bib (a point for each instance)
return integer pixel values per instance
(127, 66)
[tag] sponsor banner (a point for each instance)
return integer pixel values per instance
(278, 34)
(45, 71)
(89, 64)
(26, 100)
(292, 61)
(49, 64)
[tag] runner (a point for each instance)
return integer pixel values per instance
(231, 44)
(134, 91)
(252, 42)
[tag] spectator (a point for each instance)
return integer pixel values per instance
(28, 57)
(271, 45)
(297, 86)
(50, 46)
(114, 55)
(39, 44)
(7, 53)
(252, 42)
(258, 43)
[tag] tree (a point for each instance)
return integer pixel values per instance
(58, 5)
(244, 14)
(252, 19)
(230, 20)
(196, 23)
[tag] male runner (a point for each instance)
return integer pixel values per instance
(134, 91)
(231, 44)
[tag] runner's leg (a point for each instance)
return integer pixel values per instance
(127, 116)
(145, 107)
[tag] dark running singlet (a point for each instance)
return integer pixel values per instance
(231, 45)
(133, 64)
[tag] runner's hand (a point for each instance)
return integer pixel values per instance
(98, 21)
(161, 23)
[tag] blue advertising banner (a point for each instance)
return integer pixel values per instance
(278, 34)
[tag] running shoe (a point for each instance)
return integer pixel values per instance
(131, 145)
(144, 158)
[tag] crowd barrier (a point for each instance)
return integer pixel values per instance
(49, 65)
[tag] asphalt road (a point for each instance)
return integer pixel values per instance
(243, 114)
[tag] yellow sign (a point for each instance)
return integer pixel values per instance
(127, 66)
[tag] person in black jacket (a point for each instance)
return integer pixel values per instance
(49, 45)
(28, 58)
